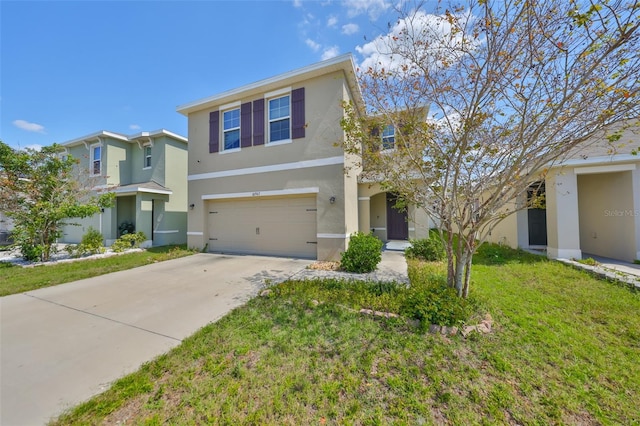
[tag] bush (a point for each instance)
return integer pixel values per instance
(91, 242)
(436, 303)
(431, 300)
(126, 228)
(128, 241)
(363, 255)
(31, 252)
(430, 249)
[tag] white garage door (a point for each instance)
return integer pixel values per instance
(269, 226)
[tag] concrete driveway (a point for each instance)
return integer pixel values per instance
(61, 345)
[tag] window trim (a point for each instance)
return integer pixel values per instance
(385, 145)
(145, 156)
(92, 160)
(222, 148)
(279, 95)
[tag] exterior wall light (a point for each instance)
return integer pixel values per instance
(332, 200)
(191, 206)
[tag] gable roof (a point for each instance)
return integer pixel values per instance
(92, 137)
(342, 63)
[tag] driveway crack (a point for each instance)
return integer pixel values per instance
(102, 317)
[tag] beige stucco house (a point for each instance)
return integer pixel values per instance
(592, 205)
(148, 173)
(268, 175)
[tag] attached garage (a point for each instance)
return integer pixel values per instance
(276, 226)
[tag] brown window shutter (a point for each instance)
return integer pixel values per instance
(214, 131)
(258, 122)
(297, 113)
(245, 125)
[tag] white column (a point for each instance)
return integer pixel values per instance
(563, 224)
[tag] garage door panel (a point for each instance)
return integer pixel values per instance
(278, 226)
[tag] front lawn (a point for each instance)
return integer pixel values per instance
(564, 349)
(15, 279)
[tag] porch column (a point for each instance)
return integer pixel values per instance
(635, 193)
(563, 227)
(364, 214)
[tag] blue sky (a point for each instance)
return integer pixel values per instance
(71, 68)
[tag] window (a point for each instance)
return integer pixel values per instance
(147, 157)
(231, 129)
(388, 137)
(96, 160)
(279, 119)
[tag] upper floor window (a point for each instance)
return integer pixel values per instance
(147, 157)
(280, 119)
(231, 129)
(96, 160)
(388, 137)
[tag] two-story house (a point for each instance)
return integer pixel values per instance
(268, 174)
(148, 173)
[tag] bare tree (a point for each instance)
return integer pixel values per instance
(484, 98)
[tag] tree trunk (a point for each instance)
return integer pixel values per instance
(467, 275)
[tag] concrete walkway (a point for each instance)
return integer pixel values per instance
(61, 345)
(610, 268)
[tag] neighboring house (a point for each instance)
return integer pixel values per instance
(592, 206)
(148, 173)
(267, 169)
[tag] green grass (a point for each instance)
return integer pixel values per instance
(564, 350)
(15, 279)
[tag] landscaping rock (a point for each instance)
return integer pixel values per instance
(450, 331)
(483, 328)
(265, 293)
(378, 313)
(468, 330)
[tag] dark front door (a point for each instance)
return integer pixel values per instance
(537, 227)
(397, 224)
(537, 215)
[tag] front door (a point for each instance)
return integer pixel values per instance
(537, 227)
(537, 215)
(397, 223)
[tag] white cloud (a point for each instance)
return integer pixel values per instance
(330, 52)
(29, 127)
(297, 3)
(313, 45)
(434, 30)
(135, 127)
(34, 147)
(332, 21)
(374, 8)
(349, 29)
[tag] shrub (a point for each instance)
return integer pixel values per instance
(430, 300)
(128, 241)
(436, 303)
(91, 242)
(430, 249)
(363, 254)
(31, 252)
(126, 228)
